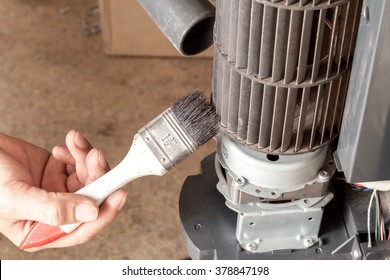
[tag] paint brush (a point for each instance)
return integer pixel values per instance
(157, 147)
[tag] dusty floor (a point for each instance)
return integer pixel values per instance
(53, 78)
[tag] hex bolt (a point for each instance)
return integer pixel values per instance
(323, 175)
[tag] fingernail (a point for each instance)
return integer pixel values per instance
(60, 151)
(101, 160)
(86, 212)
(123, 201)
(80, 141)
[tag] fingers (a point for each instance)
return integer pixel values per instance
(96, 165)
(72, 182)
(53, 208)
(80, 157)
(108, 212)
(54, 177)
(62, 154)
(78, 147)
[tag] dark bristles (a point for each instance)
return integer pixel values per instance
(197, 116)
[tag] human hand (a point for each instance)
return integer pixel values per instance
(36, 185)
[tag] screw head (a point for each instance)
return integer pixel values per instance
(323, 175)
(252, 247)
(240, 181)
(308, 242)
(318, 250)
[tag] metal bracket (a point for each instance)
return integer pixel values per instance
(351, 246)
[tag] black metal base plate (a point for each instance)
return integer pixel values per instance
(209, 226)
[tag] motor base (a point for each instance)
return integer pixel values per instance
(209, 226)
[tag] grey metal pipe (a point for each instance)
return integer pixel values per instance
(188, 24)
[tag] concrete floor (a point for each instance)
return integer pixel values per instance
(53, 79)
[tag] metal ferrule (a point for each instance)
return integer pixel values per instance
(167, 139)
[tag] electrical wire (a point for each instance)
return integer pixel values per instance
(378, 226)
(383, 228)
(376, 221)
(369, 219)
(361, 188)
(381, 220)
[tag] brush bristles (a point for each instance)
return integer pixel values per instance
(197, 116)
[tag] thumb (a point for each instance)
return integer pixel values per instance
(53, 208)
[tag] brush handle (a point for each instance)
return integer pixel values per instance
(157, 147)
(140, 161)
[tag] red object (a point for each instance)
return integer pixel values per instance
(41, 234)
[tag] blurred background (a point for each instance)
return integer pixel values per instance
(92, 67)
